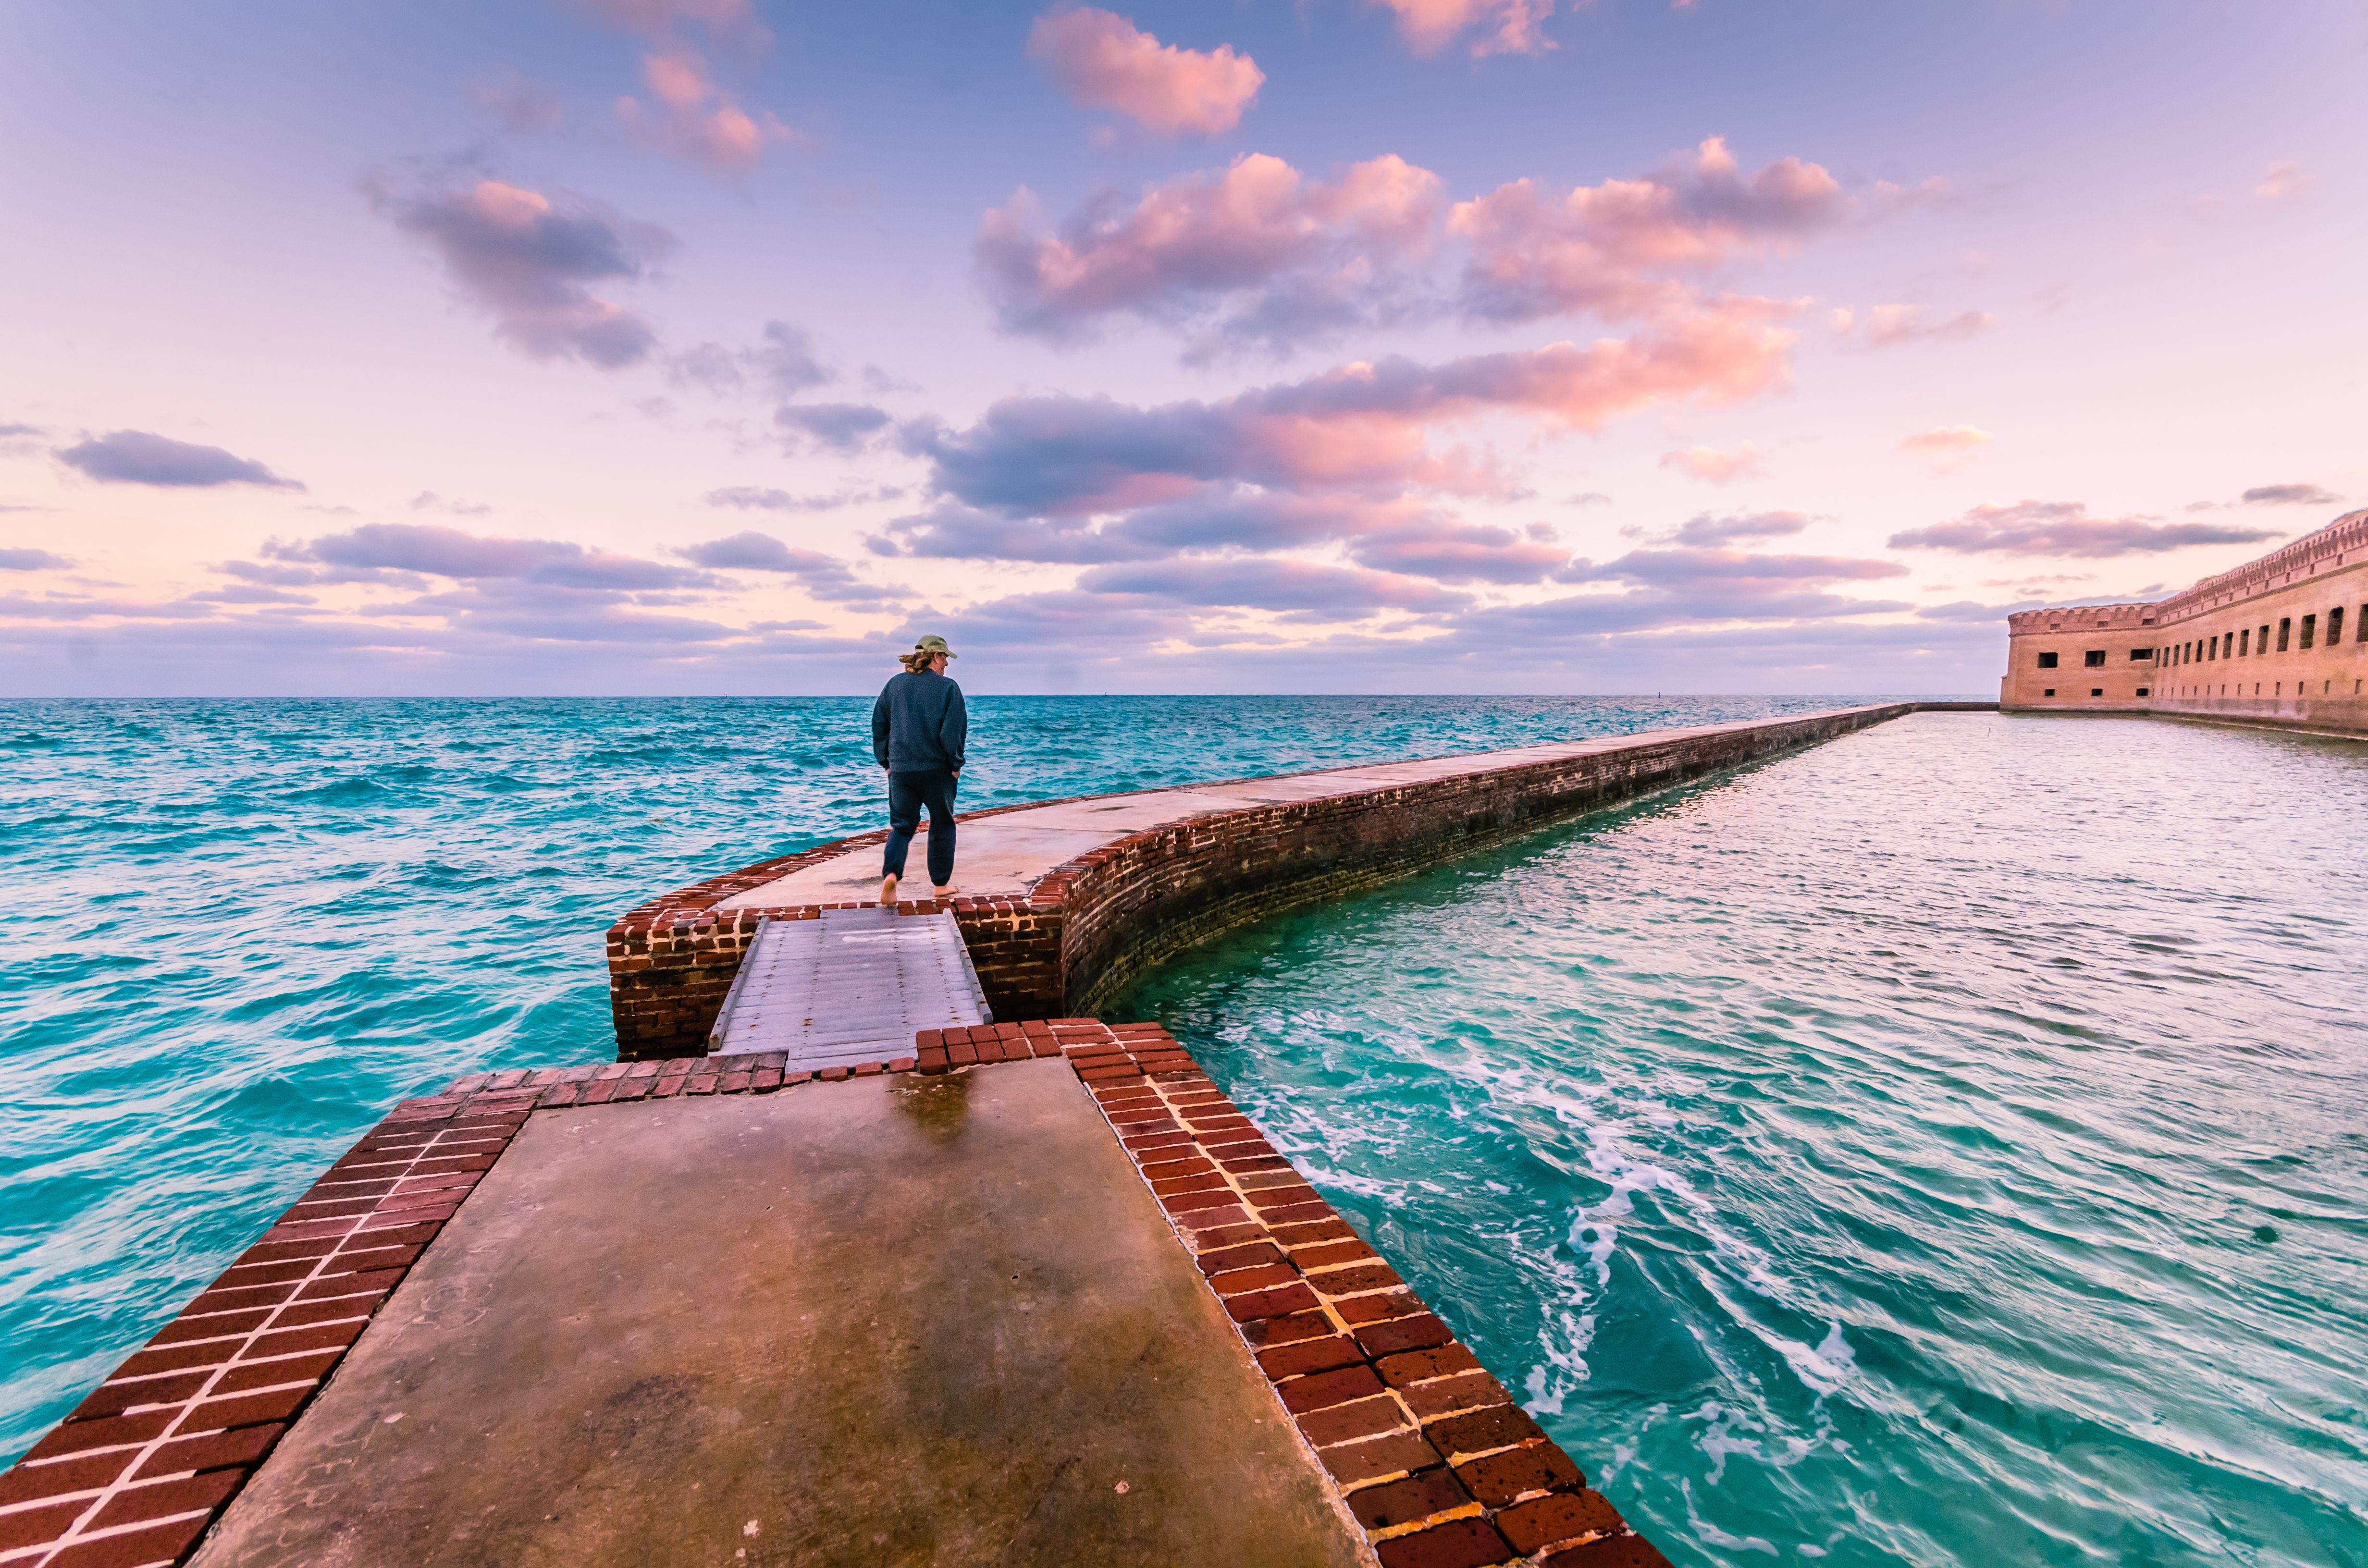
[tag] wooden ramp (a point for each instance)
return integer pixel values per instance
(856, 985)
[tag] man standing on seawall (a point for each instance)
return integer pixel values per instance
(918, 729)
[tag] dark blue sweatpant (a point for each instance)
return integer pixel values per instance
(907, 793)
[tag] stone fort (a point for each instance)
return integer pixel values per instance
(2282, 640)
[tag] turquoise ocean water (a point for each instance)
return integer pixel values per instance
(232, 934)
(1947, 1146)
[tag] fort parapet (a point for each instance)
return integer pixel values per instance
(2281, 640)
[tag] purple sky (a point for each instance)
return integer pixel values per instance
(723, 345)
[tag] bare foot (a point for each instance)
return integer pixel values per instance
(943, 894)
(887, 892)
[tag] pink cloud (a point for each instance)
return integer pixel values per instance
(1363, 426)
(528, 261)
(2287, 181)
(1718, 355)
(1608, 248)
(1260, 253)
(1947, 446)
(1103, 60)
(1504, 26)
(138, 457)
(1696, 565)
(2289, 496)
(1449, 551)
(694, 117)
(1367, 425)
(432, 548)
(1706, 529)
(1290, 254)
(1889, 325)
(1394, 534)
(1326, 592)
(1717, 466)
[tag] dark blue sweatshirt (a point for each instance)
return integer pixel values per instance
(919, 724)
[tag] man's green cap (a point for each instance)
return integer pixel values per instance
(935, 646)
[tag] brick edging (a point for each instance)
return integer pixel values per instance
(1427, 1452)
(136, 1472)
(761, 1073)
(701, 897)
(1433, 1458)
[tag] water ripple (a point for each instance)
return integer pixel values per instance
(1943, 1146)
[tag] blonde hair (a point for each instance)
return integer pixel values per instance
(916, 662)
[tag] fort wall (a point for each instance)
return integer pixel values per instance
(2281, 640)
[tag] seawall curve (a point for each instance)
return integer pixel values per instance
(1082, 895)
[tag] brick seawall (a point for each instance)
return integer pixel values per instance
(1090, 925)
(1428, 1454)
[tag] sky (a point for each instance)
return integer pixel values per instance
(688, 346)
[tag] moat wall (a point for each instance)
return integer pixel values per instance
(1091, 925)
(1130, 905)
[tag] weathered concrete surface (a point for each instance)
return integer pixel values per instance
(887, 1320)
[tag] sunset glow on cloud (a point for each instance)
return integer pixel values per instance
(711, 345)
(1710, 463)
(693, 117)
(1103, 60)
(1491, 26)
(1274, 255)
(531, 265)
(1611, 248)
(1947, 446)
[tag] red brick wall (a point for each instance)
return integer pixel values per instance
(671, 961)
(136, 1472)
(1131, 903)
(1433, 1458)
(2194, 666)
(1092, 924)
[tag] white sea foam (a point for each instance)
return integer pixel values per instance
(1826, 1369)
(1710, 1534)
(1565, 1327)
(1622, 1455)
(1718, 1440)
(1594, 1233)
(1628, 1174)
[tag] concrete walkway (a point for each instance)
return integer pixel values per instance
(1008, 853)
(887, 1320)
